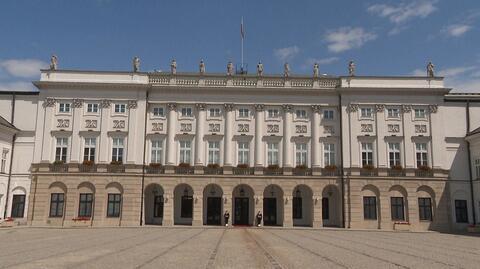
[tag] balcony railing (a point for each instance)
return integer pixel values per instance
(184, 170)
(273, 171)
(87, 168)
(243, 170)
(302, 171)
(396, 173)
(368, 172)
(155, 169)
(116, 168)
(423, 173)
(58, 167)
(330, 172)
(213, 170)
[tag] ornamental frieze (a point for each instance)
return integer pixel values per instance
(118, 124)
(366, 128)
(185, 127)
(63, 123)
(329, 130)
(214, 127)
(420, 128)
(243, 128)
(157, 126)
(301, 129)
(393, 128)
(90, 124)
(273, 128)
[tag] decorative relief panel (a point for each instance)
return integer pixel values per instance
(329, 130)
(243, 128)
(185, 127)
(214, 127)
(118, 124)
(273, 128)
(157, 126)
(393, 128)
(301, 129)
(366, 128)
(90, 124)
(420, 128)
(63, 123)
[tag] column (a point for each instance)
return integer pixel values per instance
(258, 205)
(315, 142)
(168, 210)
(227, 205)
(171, 130)
(229, 120)
(287, 211)
(287, 136)
(197, 211)
(76, 141)
(200, 132)
(259, 112)
(317, 211)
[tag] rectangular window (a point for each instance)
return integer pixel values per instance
(366, 113)
(421, 154)
(117, 149)
(367, 154)
(92, 108)
(243, 153)
(89, 150)
(18, 205)
(397, 208)
(394, 154)
(114, 205)
(243, 113)
(185, 151)
(301, 114)
(297, 207)
(120, 108)
(477, 168)
(157, 151)
(393, 113)
(328, 114)
(187, 112)
(301, 154)
(425, 208)
(61, 149)
(370, 207)
(158, 206)
(64, 107)
(3, 166)
(214, 112)
(213, 152)
(272, 153)
(420, 113)
(273, 113)
(158, 112)
(187, 207)
(461, 211)
(56, 205)
(329, 154)
(85, 205)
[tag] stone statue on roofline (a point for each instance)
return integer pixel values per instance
(202, 67)
(430, 70)
(53, 62)
(230, 68)
(286, 70)
(316, 70)
(260, 69)
(136, 64)
(351, 68)
(173, 67)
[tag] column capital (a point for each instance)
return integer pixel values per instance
(259, 107)
(406, 108)
(172, 106)
(379, 107)
(200, 106)
(316, 108)
(287, 107)
(229, 106)
(433, 108)
(352, 108)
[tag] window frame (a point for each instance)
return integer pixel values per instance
(273, 153)
(214, 112)
(370, 208)
(114, 205)
(122, 109)
(328, 114)
(158, 204)
(242, 111)
(366, 116)
(156, 110)
(95, 108)
(156, 151)
(329, 154)
(396, 153)
(183, 150)
(301, 114)
(118, 149)
(297, 207)
(56, 205)
(88, 147)
(368, 158)
(186, 115)
(419, 116)
(273, 114)
(301, 154)
(213, 152)
(461, 211)
(186, 208)
(64, 108)
(243, 153)
(423, 153)
(396, 208)
(87, 202)
(18, 206)
(61, 149)
(395, 115)
(425, 212)
(3, 164)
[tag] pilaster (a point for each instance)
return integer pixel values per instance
(171, 130)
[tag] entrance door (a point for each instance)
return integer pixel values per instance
(241, 211)
(214, 209)
(269, 211)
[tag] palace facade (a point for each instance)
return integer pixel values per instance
(161, 148)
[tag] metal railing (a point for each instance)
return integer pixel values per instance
(87, 168)
(184, 170)
(115, 168)
(213, 171)
(155, 170)
(58, 167)
(302, 171)
(243, 171)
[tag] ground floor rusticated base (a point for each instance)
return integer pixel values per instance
(118, 200)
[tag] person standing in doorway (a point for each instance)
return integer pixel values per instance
(259, 218)
(226, 216)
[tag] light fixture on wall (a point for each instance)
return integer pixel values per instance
(212, 190)
(185, 192)
(272, 191)
(298, 193)
(242, 192)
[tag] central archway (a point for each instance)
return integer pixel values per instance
(212, 205)
(183, 204)
(302, 206)
(243, 206)
(273, 206)
(153, 204)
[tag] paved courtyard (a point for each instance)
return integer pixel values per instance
(157, 247)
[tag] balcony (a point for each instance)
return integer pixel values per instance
(302, 171)
(396, 172)
(87, 168)
(116, 168)
(184, 168)
(330, 172)
(368, 172)
(243, 170)
(58, 167)
(423, 173)
(155, 168)
(213, 169)
(273, 170)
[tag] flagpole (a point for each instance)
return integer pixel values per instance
(242, 35)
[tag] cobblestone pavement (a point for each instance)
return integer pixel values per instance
(157, 247)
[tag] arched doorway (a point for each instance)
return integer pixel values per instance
(273, 206)
(212, 205)
(243, 205)
(302, 206)
(331, 206)
(153, 204)
(183, 204)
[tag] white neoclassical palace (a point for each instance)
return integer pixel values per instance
(96, 148)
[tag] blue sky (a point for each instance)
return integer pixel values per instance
(382, 37)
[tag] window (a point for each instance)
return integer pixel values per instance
(56, 205)
(213, 152)
(297, 207)
(477, 168)
(114, 205)
(461, 211)
(370, 207)
(243, 113)
(273, 113)
(92, 108)
(187, 206)
(18, 205)
(328, 114)
(3, 167)
(394, 154)
(117, 150)
(64, 107)
(301, 114)
(367, 154)
(301, 154)
(420, 113)
(61, 149)
(187, 112)
(243, 153)
(157, 151)
(397, 208)
(366, 113)
(158, 206)
(393, 113)
(185, 151)
(272, 153)
(120, 108)
(85, 205)
(158, 112)
(89, 150)
(421, 154)
(329, 154)
(214, 112)
(425, 208)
